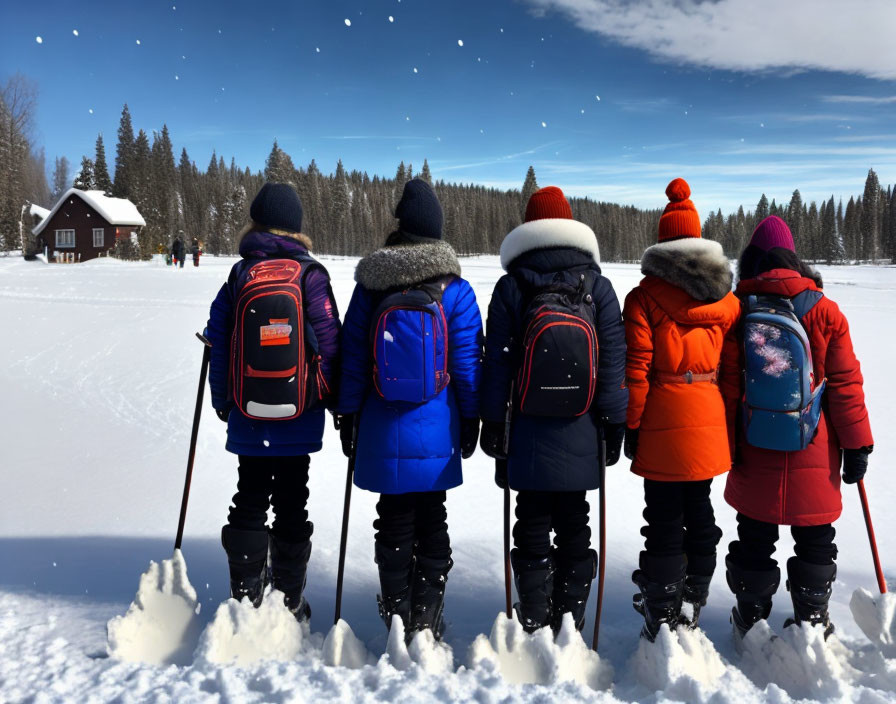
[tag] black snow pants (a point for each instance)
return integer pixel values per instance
(540, 512)
(415, 521)
(756, 542)
(279, 482)
(680, 521)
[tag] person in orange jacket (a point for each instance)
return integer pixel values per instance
(676, 436)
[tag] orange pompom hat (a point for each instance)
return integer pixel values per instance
(680, 218)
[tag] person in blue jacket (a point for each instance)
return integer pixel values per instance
(273, 454)
(551, 461)
(410, 453)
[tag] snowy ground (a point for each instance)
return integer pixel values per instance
(98, 368)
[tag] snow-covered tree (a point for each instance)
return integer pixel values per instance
(85, 179)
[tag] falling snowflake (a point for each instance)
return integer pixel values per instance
(75, 32)
(90, 111)
(597, 98)
(415, 69)
(460, 42)
(138, 42)
(391, 18)
(176, 77)
(501, 30)
(317, 49)
(407, 118)
(39, 40)
(544, 124)
(348, 22)
(582, 111)
(762, 124)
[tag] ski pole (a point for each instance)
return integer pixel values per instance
(881, 582)
(206, 357)
(349, 477)
(507, 596)
(602, 555)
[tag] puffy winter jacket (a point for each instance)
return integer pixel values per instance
(798, 488)
(246, 436)
(551, 454)
(676, 320)
(405, 447)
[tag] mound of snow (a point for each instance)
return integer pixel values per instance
(683, 664)
(161, 625)
(876, 616)
(342, 647)
(799, 661)
(243, 635)
(539, 659)
(432, 657)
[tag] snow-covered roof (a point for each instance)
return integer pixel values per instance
(116, 211)
(38, 211)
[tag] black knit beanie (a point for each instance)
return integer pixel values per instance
(277, 205)
(419, 212)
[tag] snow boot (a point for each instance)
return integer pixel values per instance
(810, 588)
(428, 595)
(247, 556)
(753, 590)
(700, 569)
(661, 581)
(572, 584)
(395, 568)
(534, 579)
(289, 568)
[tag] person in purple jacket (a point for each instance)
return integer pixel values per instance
(273, 454)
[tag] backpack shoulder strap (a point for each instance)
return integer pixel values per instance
(805, 301)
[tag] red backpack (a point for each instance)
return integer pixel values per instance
(275, 371)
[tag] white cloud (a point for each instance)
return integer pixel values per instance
(861, 99)
(748, 35)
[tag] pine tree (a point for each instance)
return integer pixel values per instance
(870, 222)
(830, 241)
(101, 177)
(61, 180)
(762, 210)
(425, 174)
(278, 167)
(530, 185)
(124, 155)
(794, 219)
(85, 179)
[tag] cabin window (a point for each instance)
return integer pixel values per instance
(65, 238)
(99, 237)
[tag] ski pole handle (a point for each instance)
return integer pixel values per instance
(863, 497)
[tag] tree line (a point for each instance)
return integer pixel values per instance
(350, 213)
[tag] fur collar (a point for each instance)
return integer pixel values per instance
(697, 266)
(250, 226)
(549, 233)
(405, 265)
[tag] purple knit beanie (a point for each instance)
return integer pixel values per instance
(771, 233)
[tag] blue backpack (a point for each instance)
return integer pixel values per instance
(782, 403)
(409, 337)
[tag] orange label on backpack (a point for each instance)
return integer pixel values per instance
(277, 333)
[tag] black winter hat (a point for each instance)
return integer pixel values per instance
(277, 205)
(419, 212)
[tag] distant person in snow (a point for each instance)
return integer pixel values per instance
(675, 322)
(555, 351)
(274, 329)
(177, 252)
(787, 458)
(195, 250)
(415, 414)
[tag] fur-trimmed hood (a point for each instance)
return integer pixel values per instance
(547, 234)
(250, 226)
(406, 264)
(696, 265)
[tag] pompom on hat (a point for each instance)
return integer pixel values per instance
(548, 203)
(680, 218)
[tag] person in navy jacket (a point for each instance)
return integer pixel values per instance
(273, 454)
(551, 462)
(411, 453)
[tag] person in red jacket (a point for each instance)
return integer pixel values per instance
(769, 488)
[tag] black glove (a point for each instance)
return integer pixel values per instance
(224, 413)
(631, 442)
(855, 464)
(492, 439)
(501, 473)
(469, 434)
(346, 426)
(614, 434)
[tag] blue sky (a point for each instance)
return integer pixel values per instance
(605, 98)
